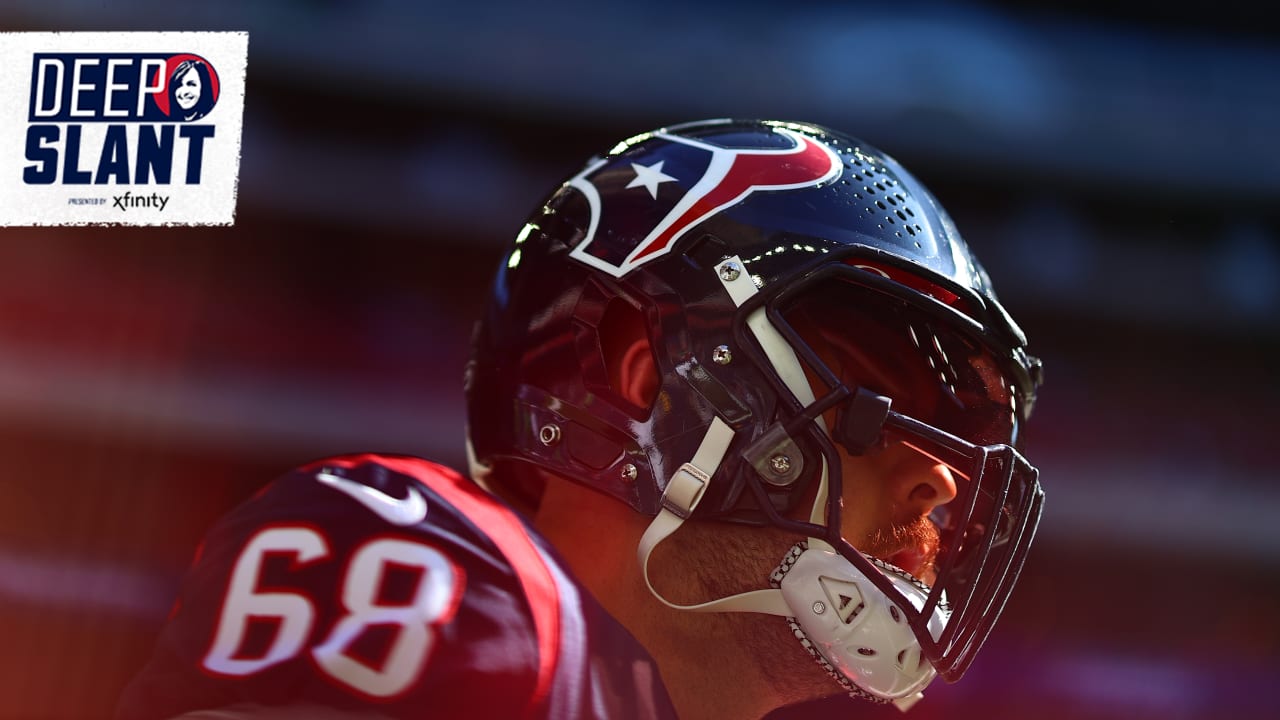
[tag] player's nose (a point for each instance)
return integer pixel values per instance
(922, 483)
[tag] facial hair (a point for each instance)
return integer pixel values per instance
(911, 545)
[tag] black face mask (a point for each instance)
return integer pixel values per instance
(919, 374)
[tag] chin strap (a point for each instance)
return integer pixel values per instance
(681, 497)
(683, 493)
(686, 487)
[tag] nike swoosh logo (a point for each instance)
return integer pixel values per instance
(408, 511)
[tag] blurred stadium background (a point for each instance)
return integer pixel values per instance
(1117, 166)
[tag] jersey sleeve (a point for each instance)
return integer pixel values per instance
(390, 586)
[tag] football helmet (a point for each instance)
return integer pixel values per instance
(784, 274)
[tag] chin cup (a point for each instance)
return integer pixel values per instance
(852, 628)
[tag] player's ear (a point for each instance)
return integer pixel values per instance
(637, 374)
(628, 356)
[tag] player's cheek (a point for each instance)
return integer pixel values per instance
(863, 497)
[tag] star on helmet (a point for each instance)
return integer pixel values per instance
(650, 176)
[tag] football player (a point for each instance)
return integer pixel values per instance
(744, 416)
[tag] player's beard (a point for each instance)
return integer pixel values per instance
(911, 545)
(728, 559)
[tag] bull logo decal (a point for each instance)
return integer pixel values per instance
(654, 202)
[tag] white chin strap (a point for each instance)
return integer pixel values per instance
(847, 623)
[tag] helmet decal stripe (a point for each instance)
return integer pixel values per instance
(720, 178)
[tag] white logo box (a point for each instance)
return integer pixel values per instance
(105, 142)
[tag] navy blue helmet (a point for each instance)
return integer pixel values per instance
(724, 244)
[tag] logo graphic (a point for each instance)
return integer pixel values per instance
(687, 182)
(133, 128)
(191, 88)
(407, 511)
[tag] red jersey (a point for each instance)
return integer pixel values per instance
(393, 585)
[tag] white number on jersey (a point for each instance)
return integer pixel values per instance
(432, 601)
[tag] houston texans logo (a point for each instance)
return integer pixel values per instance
(678, 185)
